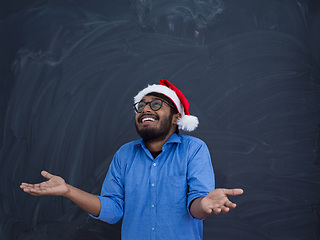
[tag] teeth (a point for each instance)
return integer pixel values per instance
(148, 119)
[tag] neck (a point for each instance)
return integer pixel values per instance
(156, 145)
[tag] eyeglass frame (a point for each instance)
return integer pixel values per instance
(146, 103)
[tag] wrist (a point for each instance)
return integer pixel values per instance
(68, 192)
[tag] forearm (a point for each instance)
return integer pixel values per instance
(86, 201)
(197, 210)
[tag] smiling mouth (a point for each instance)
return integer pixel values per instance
(148, 119)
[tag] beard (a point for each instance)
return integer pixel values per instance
(156, 134)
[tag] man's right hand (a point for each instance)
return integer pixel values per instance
(54, 186)
(58, 187)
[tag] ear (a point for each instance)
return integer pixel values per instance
(175, 118)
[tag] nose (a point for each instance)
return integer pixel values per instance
(147, 107)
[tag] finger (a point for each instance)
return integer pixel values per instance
(217, 211)
(24, 185)
(33, 194)
(46, 174)
(233, 192)
(209, 211)
(35, 191)
(28, 190)
(230, 204)
(225, 209)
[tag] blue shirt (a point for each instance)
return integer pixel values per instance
(153, 195)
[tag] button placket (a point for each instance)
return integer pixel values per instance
(153, 182)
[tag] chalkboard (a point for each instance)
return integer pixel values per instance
(250, 70)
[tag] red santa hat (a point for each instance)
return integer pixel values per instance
(186, 122)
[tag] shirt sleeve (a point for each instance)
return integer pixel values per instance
(200, 175)
(112, 194)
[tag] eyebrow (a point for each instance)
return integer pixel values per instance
(153, 98)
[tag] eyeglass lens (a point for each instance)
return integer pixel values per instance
(155, 105)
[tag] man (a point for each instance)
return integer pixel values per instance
(162, 185)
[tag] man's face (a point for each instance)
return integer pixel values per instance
(154, 125)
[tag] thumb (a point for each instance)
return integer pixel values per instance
(46, 174)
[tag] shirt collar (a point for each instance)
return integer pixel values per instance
(174, 138)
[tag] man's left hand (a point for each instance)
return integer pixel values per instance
(217, 200)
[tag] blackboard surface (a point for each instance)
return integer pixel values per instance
(250, 69)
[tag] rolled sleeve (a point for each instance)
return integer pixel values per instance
(112, 195)
(111, 211)
(200, 174)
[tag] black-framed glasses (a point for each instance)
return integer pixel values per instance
(155, 105)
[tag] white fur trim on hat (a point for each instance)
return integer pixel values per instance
(163, 90)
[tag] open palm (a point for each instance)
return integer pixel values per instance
(217, 200)
(54, 186)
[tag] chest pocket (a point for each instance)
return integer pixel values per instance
(173, 191)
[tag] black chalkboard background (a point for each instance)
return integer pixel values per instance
(250, 69)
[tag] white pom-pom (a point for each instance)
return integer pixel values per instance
(188, 122)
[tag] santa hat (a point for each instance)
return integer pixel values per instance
(186, 122)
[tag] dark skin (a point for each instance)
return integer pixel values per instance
(215, 202)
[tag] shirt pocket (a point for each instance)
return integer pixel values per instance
(174, 191)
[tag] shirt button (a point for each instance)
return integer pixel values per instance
(152, 185)
(152, 205)
(154, 164)
(152, 229)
